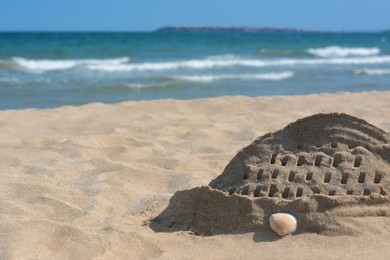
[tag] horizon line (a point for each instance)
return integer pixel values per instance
(157, 30)
(194, 28)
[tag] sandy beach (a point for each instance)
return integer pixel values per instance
(81, 182)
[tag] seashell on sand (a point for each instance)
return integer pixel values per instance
(283, 223)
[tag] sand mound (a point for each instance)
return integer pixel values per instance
(324, 169)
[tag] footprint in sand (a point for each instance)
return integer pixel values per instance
(319, 169)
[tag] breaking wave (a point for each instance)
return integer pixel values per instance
(124, 65)
(46, 65)
(337, 51)
(210, 78)
(211, 63)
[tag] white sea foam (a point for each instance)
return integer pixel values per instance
(123, 65)
(223, 57)
(212, 63)
(372, 72)
(191, 64)
(211, 78)
(14, 80)
(147, 85)
(337, 51)
(47, 65)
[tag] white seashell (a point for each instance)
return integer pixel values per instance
(283, 223)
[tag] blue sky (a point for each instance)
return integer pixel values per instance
(145, 15)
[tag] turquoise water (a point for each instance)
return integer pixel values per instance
(44, 70)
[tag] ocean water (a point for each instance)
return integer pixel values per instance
(44, 70)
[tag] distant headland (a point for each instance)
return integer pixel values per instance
(227, 29)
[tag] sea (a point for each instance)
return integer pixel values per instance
(46, 70)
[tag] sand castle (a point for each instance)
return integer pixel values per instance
(323, 169)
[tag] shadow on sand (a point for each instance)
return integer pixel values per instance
(263, 234)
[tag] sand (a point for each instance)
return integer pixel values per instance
(324, 169)
(82, 182)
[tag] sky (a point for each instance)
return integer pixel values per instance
(147, 15)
